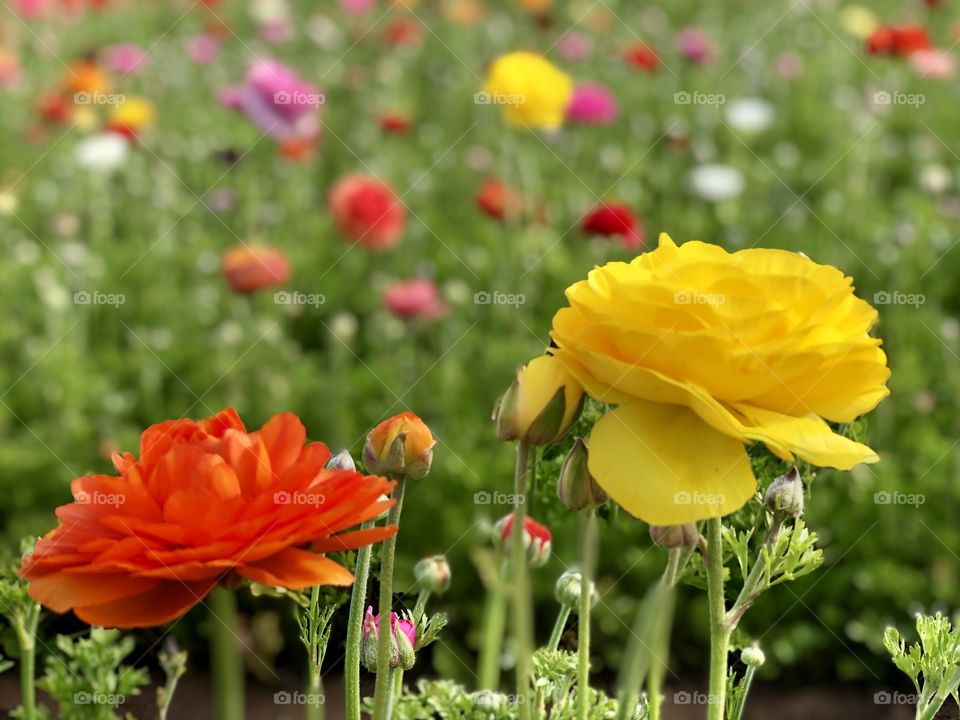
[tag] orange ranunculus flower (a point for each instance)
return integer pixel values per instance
(205, 501)
(402, 444)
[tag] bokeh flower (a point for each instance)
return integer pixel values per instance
(641, 56)
(537, 538)
(125, 58)
(205, 501)
(104, 152)
(417, 299)
(203, 49)
(902, 40)
(249, 268)
(593, 104)
(500, 201)
(933, 63)
(703, 350)
(614, 219)
(749, 114)
(716, 183)
(695, 44)
(368, 211)
(276, 100)
(131, 117)
(530, 89)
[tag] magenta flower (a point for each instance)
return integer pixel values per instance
(357, 7)
(203, 49)
(694, 44)
(126, 58)
(371, 626)
(593, 105)
(276, 100)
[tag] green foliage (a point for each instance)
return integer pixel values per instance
(86, 676)
(932, 664)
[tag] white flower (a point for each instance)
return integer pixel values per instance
(104, 152)
(715, 183)
(749, 115)
(935, 178)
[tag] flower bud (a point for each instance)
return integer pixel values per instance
(433, 574)
(341, 461)
(753, 656)
(536, 538)
(785, 495)
(401, 445)
(675, 536)
(568, 589)
(576, 487)
(540, 405)
(403, 638)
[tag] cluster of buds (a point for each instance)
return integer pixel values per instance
(576, 487)
(568, 589)
(433, 574)
(536, 538)
(403, 640)
(401, 445)
(541, 404)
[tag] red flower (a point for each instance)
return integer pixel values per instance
(499, 201)
(368, 211)
(403, 32)
(416, 299)
(205, 502)
(901, 41)
(394, 123)
(610, 219)
(251, 268)
(537, 538)
(642, 57)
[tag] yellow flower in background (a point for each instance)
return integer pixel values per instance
(132, 115)
(537, 7)
(531, 91)
(858, 21)
(703, 350)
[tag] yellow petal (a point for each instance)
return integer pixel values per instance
(666, 466)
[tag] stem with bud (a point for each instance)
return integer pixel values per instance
(719, 629)
(358, 601)
(383, 692)
(589, 560)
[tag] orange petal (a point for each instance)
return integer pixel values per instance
(354, 540)
(163, 604)
(63, 590)
(283, 436)
(295, 569)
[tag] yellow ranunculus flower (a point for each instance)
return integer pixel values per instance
(858, 21)
(541, 404)
(531, 90)
(703, 350)
(134, 113)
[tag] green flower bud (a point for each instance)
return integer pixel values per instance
(576, 487)
(568, 588)
(675, 536)
(752, 656)
(785, 495)
(433, 574)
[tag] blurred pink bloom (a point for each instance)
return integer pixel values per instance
(125, 58)
(356, 7)
(933, 63)
(203, 49)
(416, 299)
(10, 70)
(32, 9)
(276, 31)
(574, 46)
(593, 105)
(789, 65)
(694, 44)
(276, 100)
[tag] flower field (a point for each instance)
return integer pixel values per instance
(610, 350)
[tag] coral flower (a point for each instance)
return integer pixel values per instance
(537, 538)
(368, 211)
(86, 76)
(642, 57)
(901, 41)
(394, 122)
(205, 501)
(531, 91)
(703, 350)
(416, 299)
(593, 105)
(614, 219)
(251, 268)
(499, 201)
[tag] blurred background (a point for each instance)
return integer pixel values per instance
(129, 169)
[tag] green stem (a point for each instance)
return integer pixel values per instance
(589, 560)
(358, 602)
(558, 627)
(737, 712)
(228, 693)
(662, 647)
(494, 623)
(384, 689)
(27, 639)
(522, 612)
(719, 632)
(314, 708)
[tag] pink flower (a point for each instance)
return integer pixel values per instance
(125, 58)
(276, 100)
(593, 105)
(933, 63)
(574, 46)
(32, 9)
(789, 65)
(416, 299)
(357, 7)
(203, 49)
(694, 44)
(371, 626)
(10, 70)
